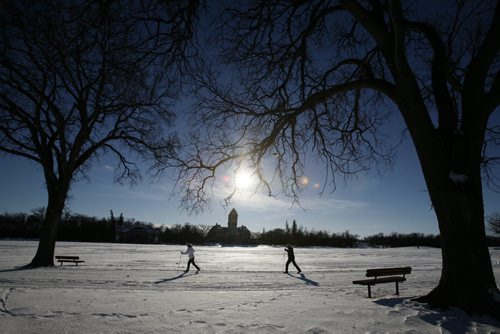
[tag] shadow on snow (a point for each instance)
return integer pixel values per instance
(453, 320)
(183, 274)
(305, 279)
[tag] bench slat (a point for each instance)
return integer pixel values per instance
(67, 257)
(388, 271)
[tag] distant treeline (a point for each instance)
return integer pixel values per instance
(73, 227)
(404, 240)
(79, 227)
(299, 236)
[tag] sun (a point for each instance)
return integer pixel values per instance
(243, 180)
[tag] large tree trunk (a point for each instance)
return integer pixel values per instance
(467, 279)
(45, 253)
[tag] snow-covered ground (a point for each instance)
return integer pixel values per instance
(137, 289)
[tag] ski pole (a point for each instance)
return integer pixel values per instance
(283, 260)
(179, 263)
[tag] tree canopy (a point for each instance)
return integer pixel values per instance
(82, 79)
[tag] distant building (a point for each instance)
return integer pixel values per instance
(232, 234)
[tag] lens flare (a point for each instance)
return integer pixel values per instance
(304, 181)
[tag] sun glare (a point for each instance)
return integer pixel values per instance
(243, 180)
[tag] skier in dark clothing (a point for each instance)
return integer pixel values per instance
(190, 253)
(291, 259)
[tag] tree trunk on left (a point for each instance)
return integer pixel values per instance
(45, 253)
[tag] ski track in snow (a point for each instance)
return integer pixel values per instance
(4, 296)
(137, 288)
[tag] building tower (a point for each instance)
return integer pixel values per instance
(232, 221)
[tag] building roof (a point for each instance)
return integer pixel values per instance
(233, 212)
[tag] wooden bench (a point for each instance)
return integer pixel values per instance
(384, 275)
(74, 259)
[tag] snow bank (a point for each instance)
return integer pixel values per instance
(137, 288)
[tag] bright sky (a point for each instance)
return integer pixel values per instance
(397, 201)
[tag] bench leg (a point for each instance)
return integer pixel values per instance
(369, 292)
(397, 288)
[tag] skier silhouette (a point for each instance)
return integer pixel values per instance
(291, 259)
(190, 252)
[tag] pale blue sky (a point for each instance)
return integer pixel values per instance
(395, 202)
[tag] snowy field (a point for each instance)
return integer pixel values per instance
(123, 288)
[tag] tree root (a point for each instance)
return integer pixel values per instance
(472, 303)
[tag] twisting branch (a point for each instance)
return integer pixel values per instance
(82, 79)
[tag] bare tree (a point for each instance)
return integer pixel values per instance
(80, 79)
(320, 80)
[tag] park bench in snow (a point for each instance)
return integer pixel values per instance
(384, 275)
(74, 259)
